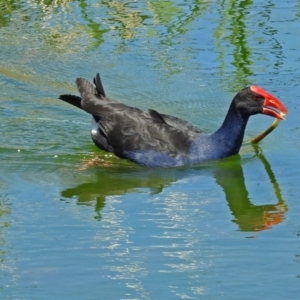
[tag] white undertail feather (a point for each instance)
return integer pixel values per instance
(94, 127)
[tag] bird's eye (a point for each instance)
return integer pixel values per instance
(256, 97)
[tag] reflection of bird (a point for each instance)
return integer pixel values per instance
(125, 181)
(151, 139)
(249, 213)
(249, 216)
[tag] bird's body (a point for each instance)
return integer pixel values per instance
(151, 139)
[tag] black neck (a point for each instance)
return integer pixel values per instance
(233, 129)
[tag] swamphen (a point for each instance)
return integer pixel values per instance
(151, 139)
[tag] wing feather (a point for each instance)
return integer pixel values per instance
(123, 129)
(130, 129)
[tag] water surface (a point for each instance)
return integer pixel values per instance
(78, 223)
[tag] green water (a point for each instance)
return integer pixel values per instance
(77, 223)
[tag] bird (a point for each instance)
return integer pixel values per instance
(152, 139)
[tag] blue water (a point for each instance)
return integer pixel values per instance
(78, 223)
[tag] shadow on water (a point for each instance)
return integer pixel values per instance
(96, 24)
(233, 19)
(7, 8)
(175, 18)
(232, 38)
(228, 175)
(95, 29)
(119, 181)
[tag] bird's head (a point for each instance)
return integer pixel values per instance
(255, 100)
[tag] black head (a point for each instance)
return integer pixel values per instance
(255, 100)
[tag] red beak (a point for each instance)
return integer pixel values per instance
(272, 106)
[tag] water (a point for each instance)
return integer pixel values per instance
(78, 223)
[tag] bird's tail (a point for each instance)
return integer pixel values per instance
(85, 87)
(74, 100)
(99, 86)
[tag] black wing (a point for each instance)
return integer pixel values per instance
(129, 129)
(180, 124)
(123, 128)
